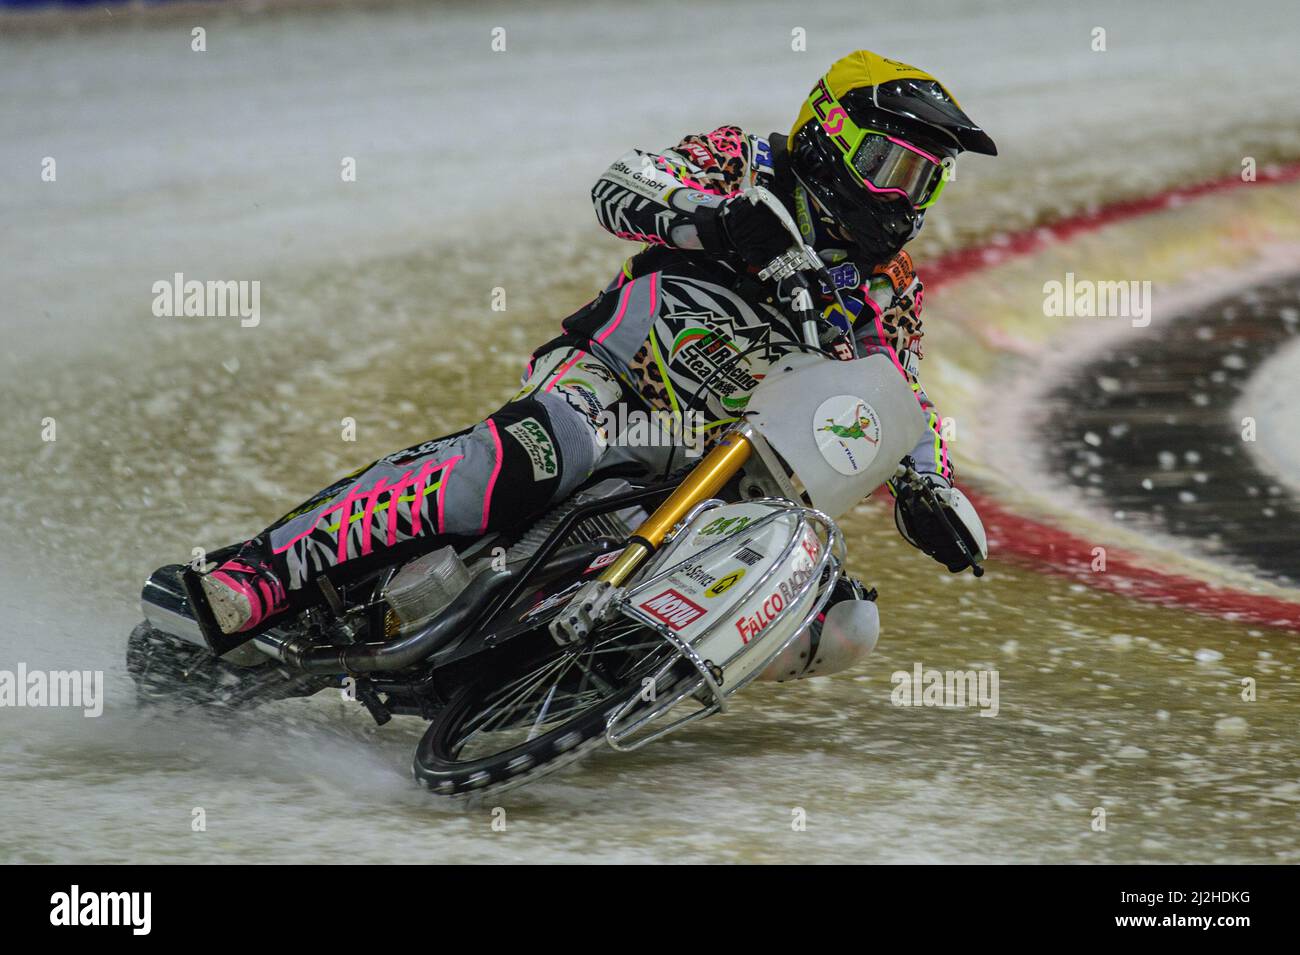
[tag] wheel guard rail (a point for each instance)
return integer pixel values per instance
(707, 688)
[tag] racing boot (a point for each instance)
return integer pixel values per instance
(244, 591)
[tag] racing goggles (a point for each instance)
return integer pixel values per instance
(883, 163)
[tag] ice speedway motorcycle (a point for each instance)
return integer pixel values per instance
(625, 613)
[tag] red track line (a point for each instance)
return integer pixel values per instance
(958, 264)
(1052, 550)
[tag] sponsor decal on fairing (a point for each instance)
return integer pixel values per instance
(673, 608)
(724, 525)
(696, 574)
(784, 595)
(847, 430)
(723, 584)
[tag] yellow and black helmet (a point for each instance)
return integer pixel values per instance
(871, 144)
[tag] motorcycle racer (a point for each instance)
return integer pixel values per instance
(686, 327)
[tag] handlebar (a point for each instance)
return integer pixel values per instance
(798, 265)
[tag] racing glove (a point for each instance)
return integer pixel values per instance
(749, 229)
(921, 527)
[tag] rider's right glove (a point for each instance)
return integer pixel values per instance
(922, 529)
(749, 229)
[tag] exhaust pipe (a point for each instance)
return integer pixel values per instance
(402, 652)
(396, 654)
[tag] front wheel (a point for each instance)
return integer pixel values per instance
(538, 709)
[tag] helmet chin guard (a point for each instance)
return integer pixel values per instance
(878, 227)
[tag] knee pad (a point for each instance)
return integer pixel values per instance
(546, 449)
(578, 435)
(847, 633)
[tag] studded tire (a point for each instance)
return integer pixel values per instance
(442, 775)
(441, 762)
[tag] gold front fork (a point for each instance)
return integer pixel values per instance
(717, 468)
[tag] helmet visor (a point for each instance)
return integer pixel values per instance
(887, 164)
(881, 162)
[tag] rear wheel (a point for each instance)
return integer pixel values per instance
(538, 709)
(173, 673)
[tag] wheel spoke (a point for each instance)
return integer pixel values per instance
(489, 712)
(521, 689)
(555, 684)
(541, 716)
(555, 690)
(531, 682)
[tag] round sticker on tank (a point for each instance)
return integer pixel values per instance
(847, 430)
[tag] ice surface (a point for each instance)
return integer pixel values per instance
(473, 172)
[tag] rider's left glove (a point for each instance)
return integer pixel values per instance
(921, 527)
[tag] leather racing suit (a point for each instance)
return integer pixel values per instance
(684, 328)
